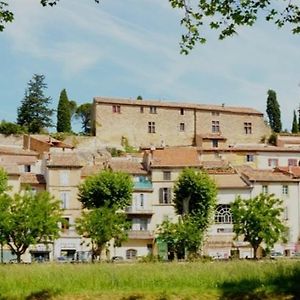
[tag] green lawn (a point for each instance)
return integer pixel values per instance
(210, 280)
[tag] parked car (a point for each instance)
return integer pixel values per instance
(276, 255)
(117, 258)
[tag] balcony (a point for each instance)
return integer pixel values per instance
(131, 210)
(143, 185)
(140, 235)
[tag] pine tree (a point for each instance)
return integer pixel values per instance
(63, 113)
(295, 128)
(34, 113)
(273, 112)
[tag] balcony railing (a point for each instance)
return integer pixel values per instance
(140, 235)
(143, 185)
(138, 210)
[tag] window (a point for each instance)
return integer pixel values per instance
(64, 197)
(165, 195)
(292, 162)
(223, 214)
(181, 127)
(151, 127)
(167, 175)
(131, 254)
(142, 109)
(265, 189)
(182, 111)
(64, 178)
(141, 202)
(248, 128)
(215, 113)
(285, 190)
(215, 126)
(116, 109)
(273, 162)
(249, 158)
(143, 223)
(27, 168)
(153, 110)
(215, 143)
(65, 224)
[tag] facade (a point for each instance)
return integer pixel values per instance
(144, 123)
(60, 169)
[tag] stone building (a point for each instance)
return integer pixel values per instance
(143, 123)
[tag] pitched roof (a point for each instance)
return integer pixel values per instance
(127, 166)
(220, 108)
(252, 148)
(120, 165)
(175, 157)
(10, 169)
(264, 175)
(226, 181)
(64, 160)
(52, 142)
(18, 159)
(291, 170)
(91, 170)
(16, 151)
(31, 178)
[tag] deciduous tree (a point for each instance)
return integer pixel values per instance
(27, 219)
(63, 113)
(259, 220)
(225, 17)
(108, 188)
(195, 194)
(34, 113)
(101, 225)
(84, 113)
(194, 200)
(273, 112)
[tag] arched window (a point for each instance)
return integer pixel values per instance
(131, 253)
(223, 214)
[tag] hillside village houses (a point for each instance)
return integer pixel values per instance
(227, 142)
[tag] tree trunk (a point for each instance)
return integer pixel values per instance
(18, 257)
(186, 205)
(255, 247)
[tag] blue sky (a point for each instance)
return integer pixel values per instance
(129, 48)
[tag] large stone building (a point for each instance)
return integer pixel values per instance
(143, 123)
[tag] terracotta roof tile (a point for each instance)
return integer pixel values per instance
(229, 181)
(50, 141)
(264, 175)
(291, 170)
(64, 160)
(31, 178)
(18, 159)
(91, 170)
(220, 108)
(16, 151)
(10, 169)
(175, 157)
(127, 166)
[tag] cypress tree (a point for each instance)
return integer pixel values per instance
(34, 113)
(63, 113)
(295, 128)
(273, 111)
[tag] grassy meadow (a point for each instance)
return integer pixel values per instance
(210, 280)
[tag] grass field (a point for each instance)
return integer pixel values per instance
(210, 280)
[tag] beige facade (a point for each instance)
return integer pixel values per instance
(157, 123)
